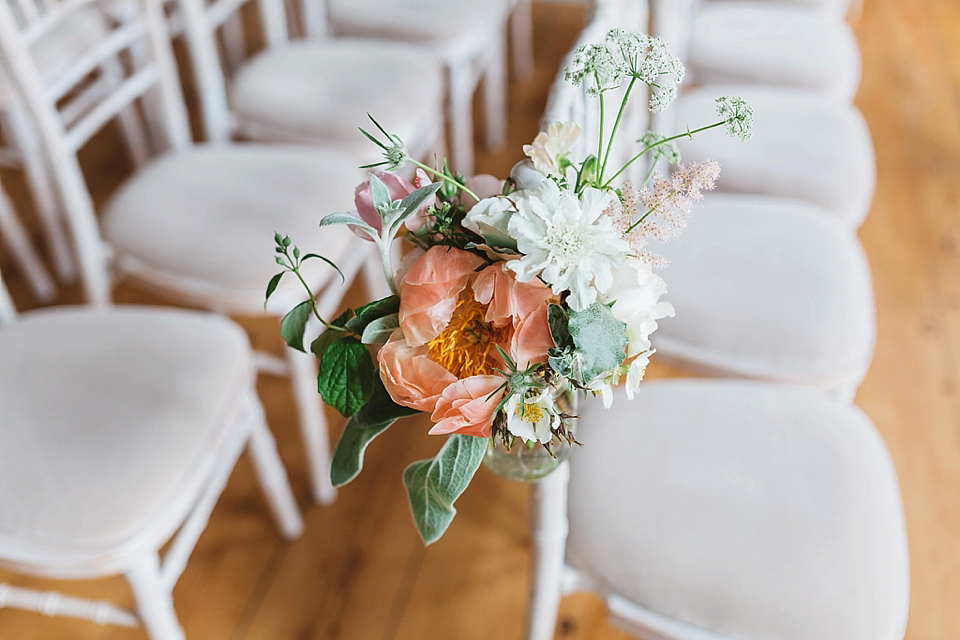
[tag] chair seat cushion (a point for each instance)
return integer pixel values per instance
(835, 7)
(804, 147)
(107, 414)
(768, 288)
(201, 223)
(426, 21)
(320, 92)
(779, 44)
(750, 510)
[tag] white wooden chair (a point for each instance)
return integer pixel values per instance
(725, 510)
(315, 91)
(467, 35)
(784, 44)
(121, 426)
(55, 52)
(805, 146)
(197, 223)
(752, 299)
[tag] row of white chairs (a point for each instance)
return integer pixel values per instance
(763, 506)
(153, 407)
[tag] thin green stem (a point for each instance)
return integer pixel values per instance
(616, 124)
(599, 177)
(445, 178)
(313, 303)
(646, 179)
(642, 218)
(686, 134)
(386, 261)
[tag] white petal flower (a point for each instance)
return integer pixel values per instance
(635, 297)
(635, 373)
(490, 218)
(525, 176)
(737, 115)
(571, 244)
(532, 418)
(550, 147)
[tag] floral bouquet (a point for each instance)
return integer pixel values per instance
(513, 294)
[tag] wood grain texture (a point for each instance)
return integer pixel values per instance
(361, 573)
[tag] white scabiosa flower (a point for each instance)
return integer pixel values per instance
(551, 147)
(737, 115)
(532, 419)
(490, 218)
(571, 244)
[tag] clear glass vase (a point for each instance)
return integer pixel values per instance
(530, 461)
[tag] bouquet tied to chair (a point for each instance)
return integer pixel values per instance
(514, 293)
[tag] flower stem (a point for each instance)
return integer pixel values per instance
(386, 261)
(313, 303)
(599, 178)
(445, 178)
(685, 134)
(616, 124)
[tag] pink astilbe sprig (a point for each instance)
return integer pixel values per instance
(660, 210)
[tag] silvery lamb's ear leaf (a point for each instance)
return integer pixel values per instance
(380, 330)
(600, 338)
(380, 194)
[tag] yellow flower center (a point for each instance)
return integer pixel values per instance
(467, 347)
(532, 413)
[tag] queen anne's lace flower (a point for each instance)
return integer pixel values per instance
(649, 60)
(595, 66)
(551, 147)
(737, 115)
(571, 244)
(669, 151)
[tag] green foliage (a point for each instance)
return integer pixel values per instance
(346, 379)
(379, 331)
(378, 308)
(294, 323)
(600, 339)
(374, 418)
(434, 485)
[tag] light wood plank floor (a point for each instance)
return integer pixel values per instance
(360, 572)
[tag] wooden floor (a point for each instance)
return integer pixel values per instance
(360, 572)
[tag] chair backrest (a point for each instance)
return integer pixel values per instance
(570, 103)
(8, 312)
(64, 127)
(201, 21)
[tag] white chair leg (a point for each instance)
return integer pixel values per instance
(313, 424)
(154, 602)
(273, 476)
(495, 96)
(521, 38)
(17, 241)
(548, 525)
(22, 135)
(460, 117)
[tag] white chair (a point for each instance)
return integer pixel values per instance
(839, 8)
(467, 35)
(774, 44)
(315, 91)
(772, 289)
(121, 426)
(734, 510)
(55, 52)
(15, 237)
(197, 224)
(803, 147)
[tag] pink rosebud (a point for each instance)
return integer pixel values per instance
(397, 187)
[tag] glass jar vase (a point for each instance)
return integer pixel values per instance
(530, 461)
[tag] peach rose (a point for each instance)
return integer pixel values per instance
(509, 300)
(531, 338)
(466, 407)
(410, 377)
(429, 291)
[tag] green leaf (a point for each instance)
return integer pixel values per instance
(434, 485)
(600, 338)
(294, 323)
(412, 203)
(272, 286)
(380, 194)
(558, 321)
(379, 308)
(379, 330)
(327, 260)
(328, 337)
(346, 378)
(348, 218)
(375, 417)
